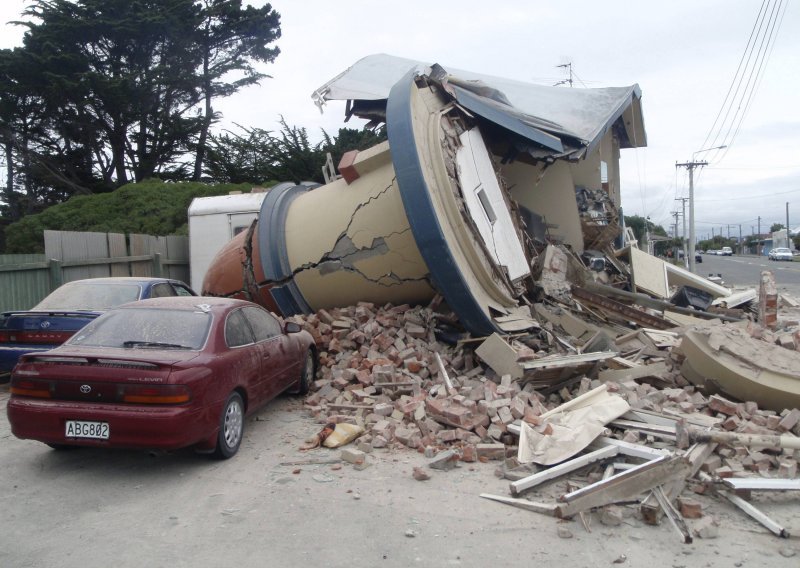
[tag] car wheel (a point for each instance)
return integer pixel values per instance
(231, 427)
(307, 374)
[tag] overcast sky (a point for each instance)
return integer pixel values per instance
(683, 55)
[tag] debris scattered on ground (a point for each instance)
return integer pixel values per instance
(625, 396)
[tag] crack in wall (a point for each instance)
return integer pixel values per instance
(343, 256)
(372, 198)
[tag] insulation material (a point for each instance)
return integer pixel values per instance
(566, 432)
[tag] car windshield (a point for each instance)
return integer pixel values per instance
(88, 296)
(146, 328)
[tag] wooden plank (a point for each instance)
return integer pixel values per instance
(647, 301)
(567, 360)
(643, 427)
(118, 247)
(756, 514)
(628, 449)
(761, 484)
(443, 373)
(650, 417)
(675, 518)
(543, 508)
(517, 487)
(627, 313)
(623, 486)
(651, 509)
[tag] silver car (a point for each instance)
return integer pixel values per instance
(780, 253)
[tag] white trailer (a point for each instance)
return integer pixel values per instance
(213, 221)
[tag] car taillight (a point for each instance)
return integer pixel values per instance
(5, 337)
(39, 337)
(30, 387)
(155, 394)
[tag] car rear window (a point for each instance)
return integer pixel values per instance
(143, 328)
(85, 296)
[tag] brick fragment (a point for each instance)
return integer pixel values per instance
(690, 508)
(789, 421)
(444, 461)
(351, 455)
(491, 451)
(723, 405)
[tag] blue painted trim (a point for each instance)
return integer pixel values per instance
(272, 247)
(444, 270)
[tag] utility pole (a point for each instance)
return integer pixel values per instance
(788, 239)
(675, 226)
(683, 201)
(741, 246)
(758, 238)
(691, 166)
(729, 232)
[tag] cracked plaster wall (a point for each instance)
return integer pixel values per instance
(352, 243)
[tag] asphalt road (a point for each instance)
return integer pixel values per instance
(746, 271)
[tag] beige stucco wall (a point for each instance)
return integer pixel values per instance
(355, 243)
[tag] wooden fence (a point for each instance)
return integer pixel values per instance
(26, 279)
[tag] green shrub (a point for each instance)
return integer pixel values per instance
(151, 207)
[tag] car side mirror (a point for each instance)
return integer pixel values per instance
(292, 327)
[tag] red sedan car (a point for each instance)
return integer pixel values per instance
(165, 373)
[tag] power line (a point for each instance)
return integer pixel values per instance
(747, 78)
(749, 196)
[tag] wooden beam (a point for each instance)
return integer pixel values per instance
(675, 518)
(526, 483)
(651, 509)
(751, 510)
(761, 484)
(543, 508)
(567, 360)
(628, 449)
(627, 312)
(623, 486)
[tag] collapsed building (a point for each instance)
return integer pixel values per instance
(494, 208)
(478, 175)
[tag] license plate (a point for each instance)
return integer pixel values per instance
(84, 429)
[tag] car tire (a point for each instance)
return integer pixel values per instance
(307, 374)
(231, 428)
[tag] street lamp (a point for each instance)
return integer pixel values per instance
(691, 166)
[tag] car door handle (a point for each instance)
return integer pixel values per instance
(267, 355)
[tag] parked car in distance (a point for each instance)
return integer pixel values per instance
(726, 251)
(698, 257)
(70, 307)
(780, 253)
(166, 373)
